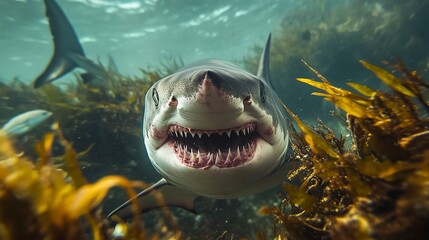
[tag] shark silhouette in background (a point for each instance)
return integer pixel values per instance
(210, 129)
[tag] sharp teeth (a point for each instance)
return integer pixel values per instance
(229, 133)
(177, 135)
(237, 132)
(200, 134)
(228, 160)
(180, 149)
(181, 133)
(192, 134)
(200, 159)
(210, 157)
(244, 151)
(218, 158)
(238, 154)
(185, 151)
(193, 158)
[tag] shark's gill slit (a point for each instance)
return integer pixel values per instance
(221, 148)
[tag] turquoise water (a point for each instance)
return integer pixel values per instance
(137, 33)
(331, 35)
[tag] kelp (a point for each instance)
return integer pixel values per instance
(43, 192)
(104, 124)
(39, 201)
(90, 110)
(376, 188)
(119, 94)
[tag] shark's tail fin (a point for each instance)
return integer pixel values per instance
(68, 53)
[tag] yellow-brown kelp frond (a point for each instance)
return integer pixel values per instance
(40, 203)
(378, 188)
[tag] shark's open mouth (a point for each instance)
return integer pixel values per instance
(222, 148)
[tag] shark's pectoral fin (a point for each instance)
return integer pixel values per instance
(148, 199)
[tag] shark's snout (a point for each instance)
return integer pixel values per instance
(212, 101)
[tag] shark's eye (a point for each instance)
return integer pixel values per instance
(262, 92)
(155, 97)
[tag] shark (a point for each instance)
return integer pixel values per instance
(211, 129)
(68, 52)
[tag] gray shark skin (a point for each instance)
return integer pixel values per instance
(211, 129)
(68, 52)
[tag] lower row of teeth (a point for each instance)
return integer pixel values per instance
(233, 157)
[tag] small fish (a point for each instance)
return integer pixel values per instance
(25, 122)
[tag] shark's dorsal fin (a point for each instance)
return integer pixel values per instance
(264, 63)
(67, 48)
(112, 65)
(172, 196)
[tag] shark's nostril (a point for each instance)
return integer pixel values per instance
(247, 101)
(172, 102)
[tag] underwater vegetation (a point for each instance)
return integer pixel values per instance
(114, 105)
(39, 201)
(334, 35)
(371, 184)
(377, 187)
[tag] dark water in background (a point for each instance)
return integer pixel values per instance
(332, 34)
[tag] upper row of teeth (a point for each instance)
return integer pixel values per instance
(244, 131)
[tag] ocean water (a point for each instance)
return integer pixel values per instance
(331, 35)
(138, 33)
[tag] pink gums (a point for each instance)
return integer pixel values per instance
(232, 158)
(155, 133)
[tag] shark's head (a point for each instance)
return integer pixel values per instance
(215, 129)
